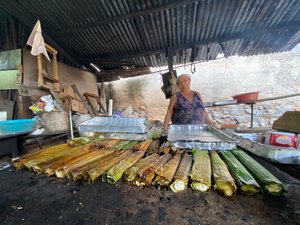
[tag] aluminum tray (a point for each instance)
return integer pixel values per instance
(114, 124)
(130, 136)
(199, 136)
(269, 152)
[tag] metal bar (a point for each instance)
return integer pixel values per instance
(278, 97)
(251, 123)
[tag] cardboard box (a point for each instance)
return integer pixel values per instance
(82, 108)
(78, 106)
(283, 139)
(67, 93)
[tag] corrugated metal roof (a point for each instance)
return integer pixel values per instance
(114, 33)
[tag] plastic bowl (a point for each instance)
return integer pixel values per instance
(14, 127)
(249, 97)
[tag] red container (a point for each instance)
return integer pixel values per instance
(283, 139)
(249, 97)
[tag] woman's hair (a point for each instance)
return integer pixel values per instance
(183, 75)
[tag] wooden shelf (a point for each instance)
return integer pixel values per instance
(44, 80)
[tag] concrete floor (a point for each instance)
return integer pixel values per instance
(28, 198)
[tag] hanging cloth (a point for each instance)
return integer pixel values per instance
(36, 41)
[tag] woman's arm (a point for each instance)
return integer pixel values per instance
(206, 118)
(170, 111)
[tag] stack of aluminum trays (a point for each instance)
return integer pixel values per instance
(118, 128)
(199, 136)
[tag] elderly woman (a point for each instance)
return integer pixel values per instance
(186, 106)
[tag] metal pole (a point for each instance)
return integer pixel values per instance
(70, 120)
(251, 125)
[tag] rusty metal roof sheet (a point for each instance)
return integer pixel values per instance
(116, 33)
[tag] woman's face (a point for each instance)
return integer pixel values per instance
(184, 83)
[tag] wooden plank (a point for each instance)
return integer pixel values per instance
(82, 99)
(50, 79)
(56, 85)
(23, 104)
(87, 96)
(41, 82)
(97, 98)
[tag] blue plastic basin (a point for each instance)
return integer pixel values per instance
(10, 127)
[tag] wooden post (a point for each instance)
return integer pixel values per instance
(40, 69)
(56, 85)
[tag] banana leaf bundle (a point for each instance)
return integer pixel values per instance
(165, 174)
(156, 133)
(62, 171)
(224, 182)
(181, 177)
(153, 147)
(96, 172)
(265, 179)
(79, 141)
(116, 172)
(164, 148)
(246, 182)
(143, 146)
(130, 145)
(121, 145)
(201, 170)
(80, 172)
(174, 150)
(50, 169)
(18, 162)
(147, 173)
(104, 144)
(47, 157)
(39, 167)
(131, 173)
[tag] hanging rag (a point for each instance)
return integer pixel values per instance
(36, 41)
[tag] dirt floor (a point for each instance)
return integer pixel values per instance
(28, 198)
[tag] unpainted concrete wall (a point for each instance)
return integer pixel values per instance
(273, 75)
(85, 81)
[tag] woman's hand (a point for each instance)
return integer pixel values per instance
(165, 132)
